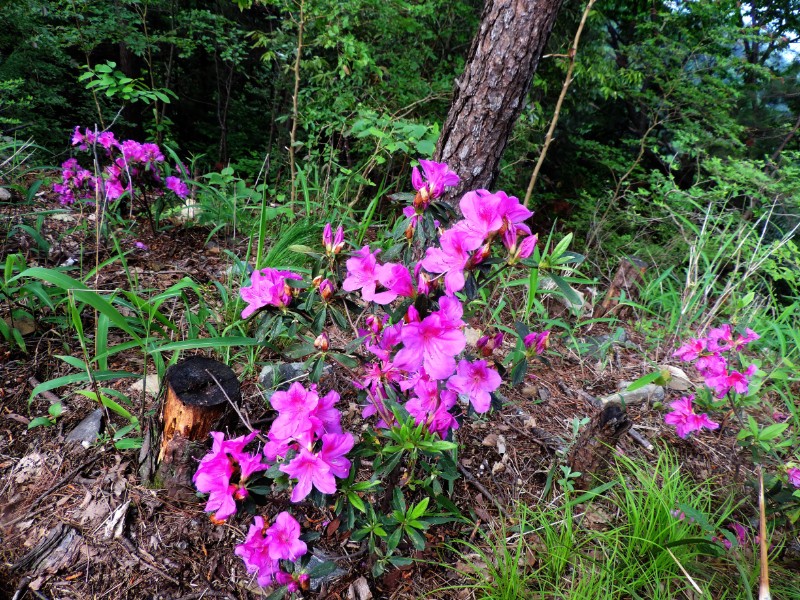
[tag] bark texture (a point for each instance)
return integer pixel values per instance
(490, 94)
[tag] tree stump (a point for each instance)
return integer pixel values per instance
(193, 405)
(629, 274)
(592, 450)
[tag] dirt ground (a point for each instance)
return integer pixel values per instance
(78, 522)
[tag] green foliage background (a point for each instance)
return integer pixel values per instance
(673, 106)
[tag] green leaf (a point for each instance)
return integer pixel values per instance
(279, 594)
(643, 381)
(394, 539)
(78, 378)
(356, 501)
(322, 570)
(772, 431)
(416, 538)
(55, 409)
(41, 422)
(128, 444)
(565, 289)
(518, 372)
(214, 343)
(419, 509)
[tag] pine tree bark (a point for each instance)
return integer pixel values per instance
(490, 94)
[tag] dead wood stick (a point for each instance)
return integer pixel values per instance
(63, 481)
(235, 408)
(482, 489)
(640, 439)
(134, 552)
(580, 394)
(47, 394)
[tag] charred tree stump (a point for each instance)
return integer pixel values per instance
(594, 446)
(629, 274)
(193, 405)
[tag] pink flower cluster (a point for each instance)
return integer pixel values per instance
(223, 474)
(462, 247)
(685, 419)
(304, 420)
(468, 242)
(267, 287)
(265, 547)
(709, 360)
(417, 356)
(132, 164)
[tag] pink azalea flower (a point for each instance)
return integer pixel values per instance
(482, 211)
(452, 257)
(743, 340)
(513, 212)
(432, 408)
(334, 448)
(437, 176)
(267, 287)
(295, 407)
(685, 419)
(254, 551)
(363, 273)
(724, 383)
(327, 238)
(309, 469)
(434, 343)
(213, 477)
(177, 186)
(396, 278)
(132, 151)
(152, 153)
(713, 365)
(475, 380)
(329, 418)
(141, 245)
(77, 136)
(107, 140)
(794, 476)
(691, 349)
(283, 539)
(720, 339)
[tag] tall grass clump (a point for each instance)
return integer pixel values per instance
(655, 533)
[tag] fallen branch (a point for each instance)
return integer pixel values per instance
(482, 489)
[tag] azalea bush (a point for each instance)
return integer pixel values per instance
(406, 352)
(117, 170)
(732, 388)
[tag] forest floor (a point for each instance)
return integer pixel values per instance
(78, 522)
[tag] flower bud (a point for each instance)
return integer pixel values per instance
(338, 240)
(326, 290)
(322, 342)
(316, 281)
(374, 324)
(327, 239)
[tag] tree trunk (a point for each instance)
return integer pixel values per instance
(490, 94)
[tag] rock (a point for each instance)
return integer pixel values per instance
(281, 374)
(5, 195)
(650, 392)
(150, 384)
(359, 590)
(87, 430)
(597, 346)
(472, 335)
